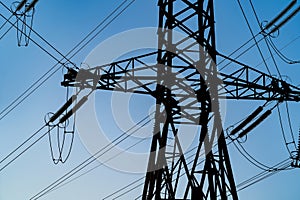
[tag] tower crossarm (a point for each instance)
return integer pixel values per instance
(249, 83)
(134, 75)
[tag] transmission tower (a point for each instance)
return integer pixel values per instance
(216, 175)
(187, 88)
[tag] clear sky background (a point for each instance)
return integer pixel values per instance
(64, 24)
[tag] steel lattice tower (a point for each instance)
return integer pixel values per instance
(187, 88)
(215, 178)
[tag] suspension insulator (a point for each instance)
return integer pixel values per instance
(63, 108)
(75, 108)
(258, 121)
(21, 4)
(283, 12)
(31, 5)
(285, 20)
(247, 120)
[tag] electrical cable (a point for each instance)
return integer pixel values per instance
(7, 31)
(55, 161)
(38, 45)
(16, 149)
(268, 168)
(57, 70)
(243, 45)
(6, 21)
(27, 148)
(257, 178)
(65, 132)
(129, 190)
(285, 46)
(252, 160)
(283, 165)
(24, 95)
(56, 186)
(125, 187)
(141, 178)
(280, 76)
(281, 55)
(61, 147)
(266, 41)
(108, 23)
(238, 56)
(276, 167)
(22, 152)
(283, 132)
(24, 27)
(239, 48)
(252, 33)
(290, 124)
(190, 162)
(46, 77)
(243, 151)
(59, 186)
(102, 163)
(187, 158)
(36, 33)
(88, 161)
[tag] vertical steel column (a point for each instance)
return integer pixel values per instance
(215, 179)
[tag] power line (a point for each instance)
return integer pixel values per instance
(22, 152)
(253, 36)
(26, 149)
(280, 76)
(281, 55)
(6, 32)
(59, 186)
(127, 191)
(187, 158)
(137, 180)
(42, 48)
(285, 46)
(238, 56)
(104, 162)
(283, 132)
(88, 161)
(250, 158)
(40, 128)
(264, 35)
(33, 143)
(69, 101)
(243, 185)
(28, 139)
(6, 21)
(105, 26)
(31, 29)
(59, 62)
(283, 165)
(290, 124)
(46, 76)
(266, 41)
(125, 187)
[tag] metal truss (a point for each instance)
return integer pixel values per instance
(188, 87)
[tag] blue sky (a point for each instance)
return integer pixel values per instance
(64, 24)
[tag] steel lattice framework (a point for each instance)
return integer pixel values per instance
(187, 88)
